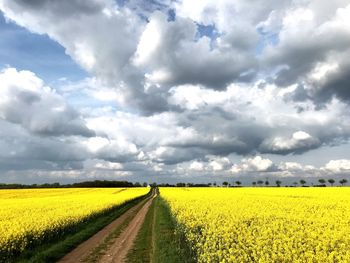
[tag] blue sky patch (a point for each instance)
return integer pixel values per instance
(24, 50)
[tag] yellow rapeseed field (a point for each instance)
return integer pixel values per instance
(263, 224)
(31, 217)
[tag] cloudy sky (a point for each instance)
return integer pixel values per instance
(171, 91)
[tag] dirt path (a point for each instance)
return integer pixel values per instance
(118, 251)
(84, 249)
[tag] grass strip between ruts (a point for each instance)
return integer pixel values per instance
(99, 251)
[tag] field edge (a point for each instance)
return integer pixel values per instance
(56, 249)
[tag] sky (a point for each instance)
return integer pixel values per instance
(174, 91)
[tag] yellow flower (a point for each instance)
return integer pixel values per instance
(263, 224)
(28, 217)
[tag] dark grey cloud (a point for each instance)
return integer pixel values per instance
(10, 164)
(20, 150)
(336, 83)
(37, 108)
(174, 155)
(111, 153)
(61, 8)
(154, 100)
(221, 132)
(310, 38)
(242, 129)
(300, 94)
(284, 146)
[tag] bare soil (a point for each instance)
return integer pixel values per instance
(120, 248)
(122, 244)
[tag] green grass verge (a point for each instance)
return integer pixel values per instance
(141, 251)
(157, 242)
(56, 249)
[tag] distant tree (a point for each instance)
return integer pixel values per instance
(260, 182)
(199, 185)
(254, 183)
(278, 183)
(225, 184)
(238, 183)
(104, 183)
(214, 183)
(154, 184)
(322, 181)
(295, 184)
(331, 181)
(137, 184)
(302, 182)
(267, 183)
(209, 184)
(343, 181)
(144, 184)
(180, 185)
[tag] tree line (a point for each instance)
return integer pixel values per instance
(85, 184)
(260, 183)
(106, 184)
(302, 182)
